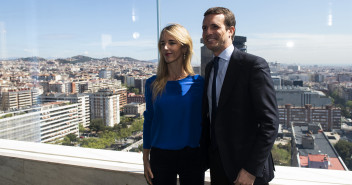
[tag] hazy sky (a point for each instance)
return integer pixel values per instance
(286, 31)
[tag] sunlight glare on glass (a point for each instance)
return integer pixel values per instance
(135, 35)
(330, 15)
(330, 20)
(290, 44)
(134, 17)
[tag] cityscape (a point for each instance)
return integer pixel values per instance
(73, 74)
(99, 103)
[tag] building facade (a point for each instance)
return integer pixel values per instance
(136, 109)
(46, 123)
(105, 105)
(123, 97)
(107, 74)
(300, 96)
(135, 98)
(81, 99)
(328, 117)
(14, 99)
(139, 83)
(94, 86)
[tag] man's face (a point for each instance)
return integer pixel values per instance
(215, 35)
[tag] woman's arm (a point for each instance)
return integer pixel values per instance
(147, 170)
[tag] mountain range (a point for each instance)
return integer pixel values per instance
(81, 59)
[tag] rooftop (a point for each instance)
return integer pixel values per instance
(317, 157)
(322, 150)
(321, 143)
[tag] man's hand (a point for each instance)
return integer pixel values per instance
(244, 178)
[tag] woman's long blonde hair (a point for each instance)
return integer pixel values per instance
(182, 36)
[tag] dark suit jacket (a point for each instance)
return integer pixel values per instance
(247, 117)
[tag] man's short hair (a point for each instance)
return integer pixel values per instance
(229, 16)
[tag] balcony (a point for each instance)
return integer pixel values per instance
(26, 163)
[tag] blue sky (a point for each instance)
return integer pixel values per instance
(299, 31)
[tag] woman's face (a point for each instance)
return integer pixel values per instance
(171, 49)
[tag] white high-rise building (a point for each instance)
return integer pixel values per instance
(44, 123)
(105, 104)
(105, 74)
(81, 99)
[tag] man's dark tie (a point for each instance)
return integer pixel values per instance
(214, 106)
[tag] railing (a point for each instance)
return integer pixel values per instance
(37, 163)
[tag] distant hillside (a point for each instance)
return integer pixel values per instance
(154, 60)
(82, 59)
(129, 59)
(33, 59)
(126, 59)
(76, 59)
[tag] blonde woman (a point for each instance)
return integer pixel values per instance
(172, 125)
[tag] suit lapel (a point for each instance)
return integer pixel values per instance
(205, 106)
(232, 73)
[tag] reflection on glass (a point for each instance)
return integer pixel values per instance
(73, 72)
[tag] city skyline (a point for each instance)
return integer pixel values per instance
(299, 32)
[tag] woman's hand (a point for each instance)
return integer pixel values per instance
(147, 170)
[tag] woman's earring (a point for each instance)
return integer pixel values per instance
(184, 56)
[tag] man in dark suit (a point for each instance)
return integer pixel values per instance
(240, 116)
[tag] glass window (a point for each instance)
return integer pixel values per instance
(74, 58)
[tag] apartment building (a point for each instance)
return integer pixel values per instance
(328, 117)
(105, 74)
(81, 99)
(45, 123)
(139, 83)
(123, 97)
(95, 85)
(58, 119)
(105, 104)
(135, 98)
(14, 99)
(300, 96)
(135, 109)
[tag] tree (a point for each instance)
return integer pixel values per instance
(140, 147)
(349, 104)
(67, 141)
(81, 128)
(345, 112)
(281, 155)
(72, 137)
(337, 99)
(97, 125)
(344, 148)
(137, 125)
(135, 90)
(109, 135)
(93, 143)
(341, 102)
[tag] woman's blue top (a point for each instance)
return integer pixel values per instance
(173, 120)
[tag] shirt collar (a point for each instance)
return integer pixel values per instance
(226, 54)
